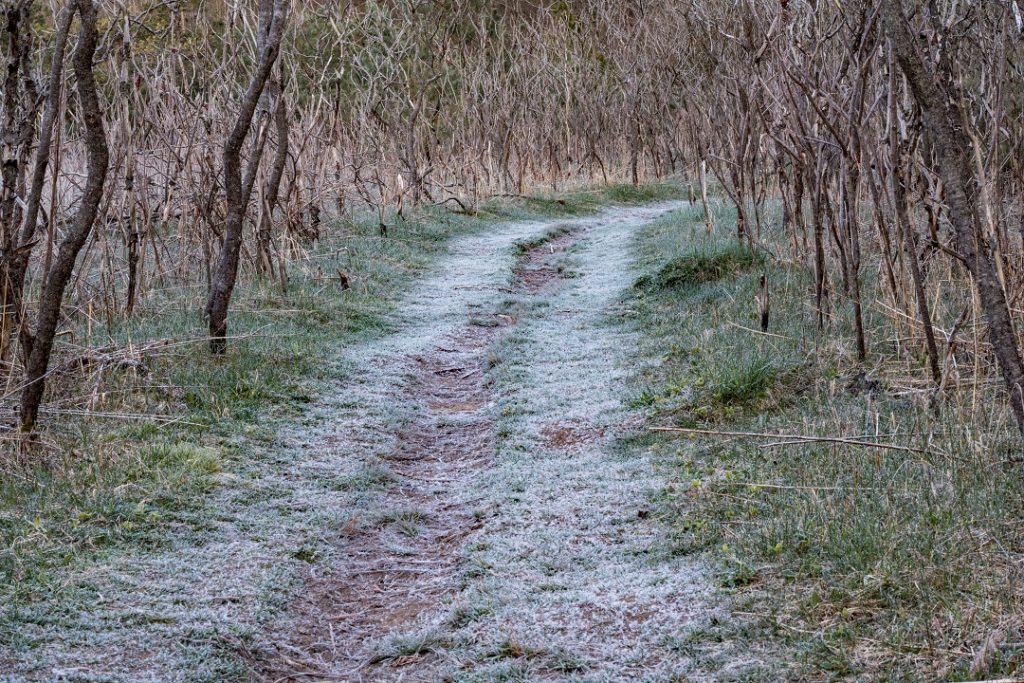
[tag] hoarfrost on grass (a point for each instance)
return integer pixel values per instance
(563, 580)
(569, 555)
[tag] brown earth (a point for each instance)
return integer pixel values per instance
(400, 569)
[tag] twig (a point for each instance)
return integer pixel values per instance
(766, 334)
(116, 416)
(754, 484)
(791, 438)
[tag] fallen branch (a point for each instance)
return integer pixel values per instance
(107, 415)
(790, 439)
(766, 334)
(121, 359)
(781, 487)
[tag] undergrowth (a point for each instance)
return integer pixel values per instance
(839, 560)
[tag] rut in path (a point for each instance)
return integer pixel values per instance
(405, 564)
(510, 535)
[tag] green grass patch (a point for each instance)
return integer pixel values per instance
(707, 263)
(745, 382)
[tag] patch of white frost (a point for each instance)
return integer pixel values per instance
(566, 559)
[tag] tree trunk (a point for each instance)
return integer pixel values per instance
(265, 262)
(901, 208)
(272, 19)
(944, 125)
(820, 266)
(64, 262)
(14, 277)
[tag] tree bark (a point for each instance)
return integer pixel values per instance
(932, 88)
(64, 263)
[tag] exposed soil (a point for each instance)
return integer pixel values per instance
(404, 567)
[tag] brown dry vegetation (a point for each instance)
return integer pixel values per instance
(234, 131)
(155, 154)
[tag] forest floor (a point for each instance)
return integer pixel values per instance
(461, 506)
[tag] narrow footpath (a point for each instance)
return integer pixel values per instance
(499, 529)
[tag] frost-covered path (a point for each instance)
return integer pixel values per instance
(569, 567)
(502, 533)
(459, 507)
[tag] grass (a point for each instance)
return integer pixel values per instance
(369, 478)
(526, 246)
(409, 646)
(97, 489)
(837, 561)
(707, 262)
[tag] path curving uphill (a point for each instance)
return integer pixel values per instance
(507, 539)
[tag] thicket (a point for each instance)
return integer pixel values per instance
(193, 143)
(890, 134)
(196, 143)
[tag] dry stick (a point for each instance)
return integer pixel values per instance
(800, 438)
(117, 416)
(163, 345)
(766, 334)
(781, 487)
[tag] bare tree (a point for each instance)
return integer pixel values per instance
(18, 253)
(238, 190)
(933, 86)
(60, 272)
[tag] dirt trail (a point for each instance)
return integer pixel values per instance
(455, 510)
(403, 564)
(508, 540)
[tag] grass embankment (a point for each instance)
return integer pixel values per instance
(177, 422)
(838, 560)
